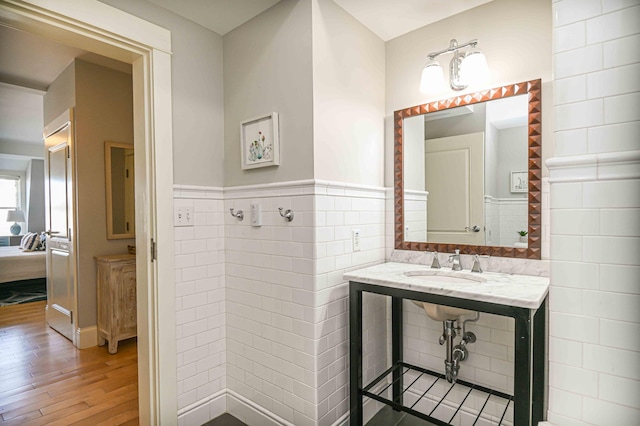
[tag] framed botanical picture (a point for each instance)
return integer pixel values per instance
(519, 181)
(259, 139)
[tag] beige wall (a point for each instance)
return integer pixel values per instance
(267, 68)
(413, 131)
(61, 95)
(103, 102)
(515, 36)
(348, 98)
(104, 112)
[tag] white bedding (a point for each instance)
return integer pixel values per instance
(16, 265)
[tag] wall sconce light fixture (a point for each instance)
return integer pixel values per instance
(467, 67)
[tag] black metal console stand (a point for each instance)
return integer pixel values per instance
(527, 398)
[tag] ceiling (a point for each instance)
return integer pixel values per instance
(31, 61)
(387, 19)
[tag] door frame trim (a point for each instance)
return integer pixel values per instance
(102, 29)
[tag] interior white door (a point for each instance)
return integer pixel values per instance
(454, 178)
(59, 215)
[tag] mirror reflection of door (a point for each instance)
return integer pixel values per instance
(120, 192)
(504, 212)
(454, 179)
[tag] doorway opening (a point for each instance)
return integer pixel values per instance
(109, 32)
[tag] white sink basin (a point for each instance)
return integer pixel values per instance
(446, 276)
(441, 312)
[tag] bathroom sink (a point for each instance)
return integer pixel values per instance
(446, 277)
(441, 312)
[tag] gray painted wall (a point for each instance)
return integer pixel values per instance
(267, 68)
(197, 94)
(512, 157)
(35, 196)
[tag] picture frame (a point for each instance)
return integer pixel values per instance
(259, 140)
(520, 181)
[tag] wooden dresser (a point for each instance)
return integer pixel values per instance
(116, 299)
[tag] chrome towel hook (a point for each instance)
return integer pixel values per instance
(287, 214)
(238, 215)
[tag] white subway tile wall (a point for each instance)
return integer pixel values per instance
(594, 348)
(415, 217)
(287, 303)
(490, 362)
(200, 297)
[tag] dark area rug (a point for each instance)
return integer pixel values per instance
(25, 291)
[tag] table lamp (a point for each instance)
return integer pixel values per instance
(15, 216)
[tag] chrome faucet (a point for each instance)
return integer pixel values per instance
(436, 263)
(476, 264)
(455, 260)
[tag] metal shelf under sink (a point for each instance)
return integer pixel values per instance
(442, 403)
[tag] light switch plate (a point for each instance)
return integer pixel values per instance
(256, 214)
(182, 216)
(356, 240)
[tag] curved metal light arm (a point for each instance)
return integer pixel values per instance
(453, 47)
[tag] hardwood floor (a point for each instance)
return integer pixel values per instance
(44, 379)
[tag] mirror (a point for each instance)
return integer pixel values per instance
(119, 171)
(467, 173)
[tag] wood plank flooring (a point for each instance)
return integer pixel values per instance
(45, 380)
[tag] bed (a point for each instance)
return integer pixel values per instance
(18, 265)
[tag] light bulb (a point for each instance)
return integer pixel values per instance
(474, 69)
(432, 79)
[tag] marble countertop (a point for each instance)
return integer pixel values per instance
(524, 291)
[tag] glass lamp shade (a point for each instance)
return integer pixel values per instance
(432, 79)
(474, 69)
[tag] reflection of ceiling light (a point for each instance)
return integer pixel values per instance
(465, 68)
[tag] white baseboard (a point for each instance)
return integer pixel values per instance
(204, 410)
(86, 337)
(228, 401)
(247, 411)
(251, 413)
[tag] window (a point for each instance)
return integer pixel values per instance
(9, 200)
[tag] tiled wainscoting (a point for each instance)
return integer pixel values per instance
(594, 344)
(274, 301)
(200, 306)
(415, 215)
(594, 327)
(504, 217)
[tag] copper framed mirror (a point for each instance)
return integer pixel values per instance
(514, 180)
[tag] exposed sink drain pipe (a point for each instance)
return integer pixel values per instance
(458, 353)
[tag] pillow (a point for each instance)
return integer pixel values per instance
(31, 241)
(24, 239)
(43, 242)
